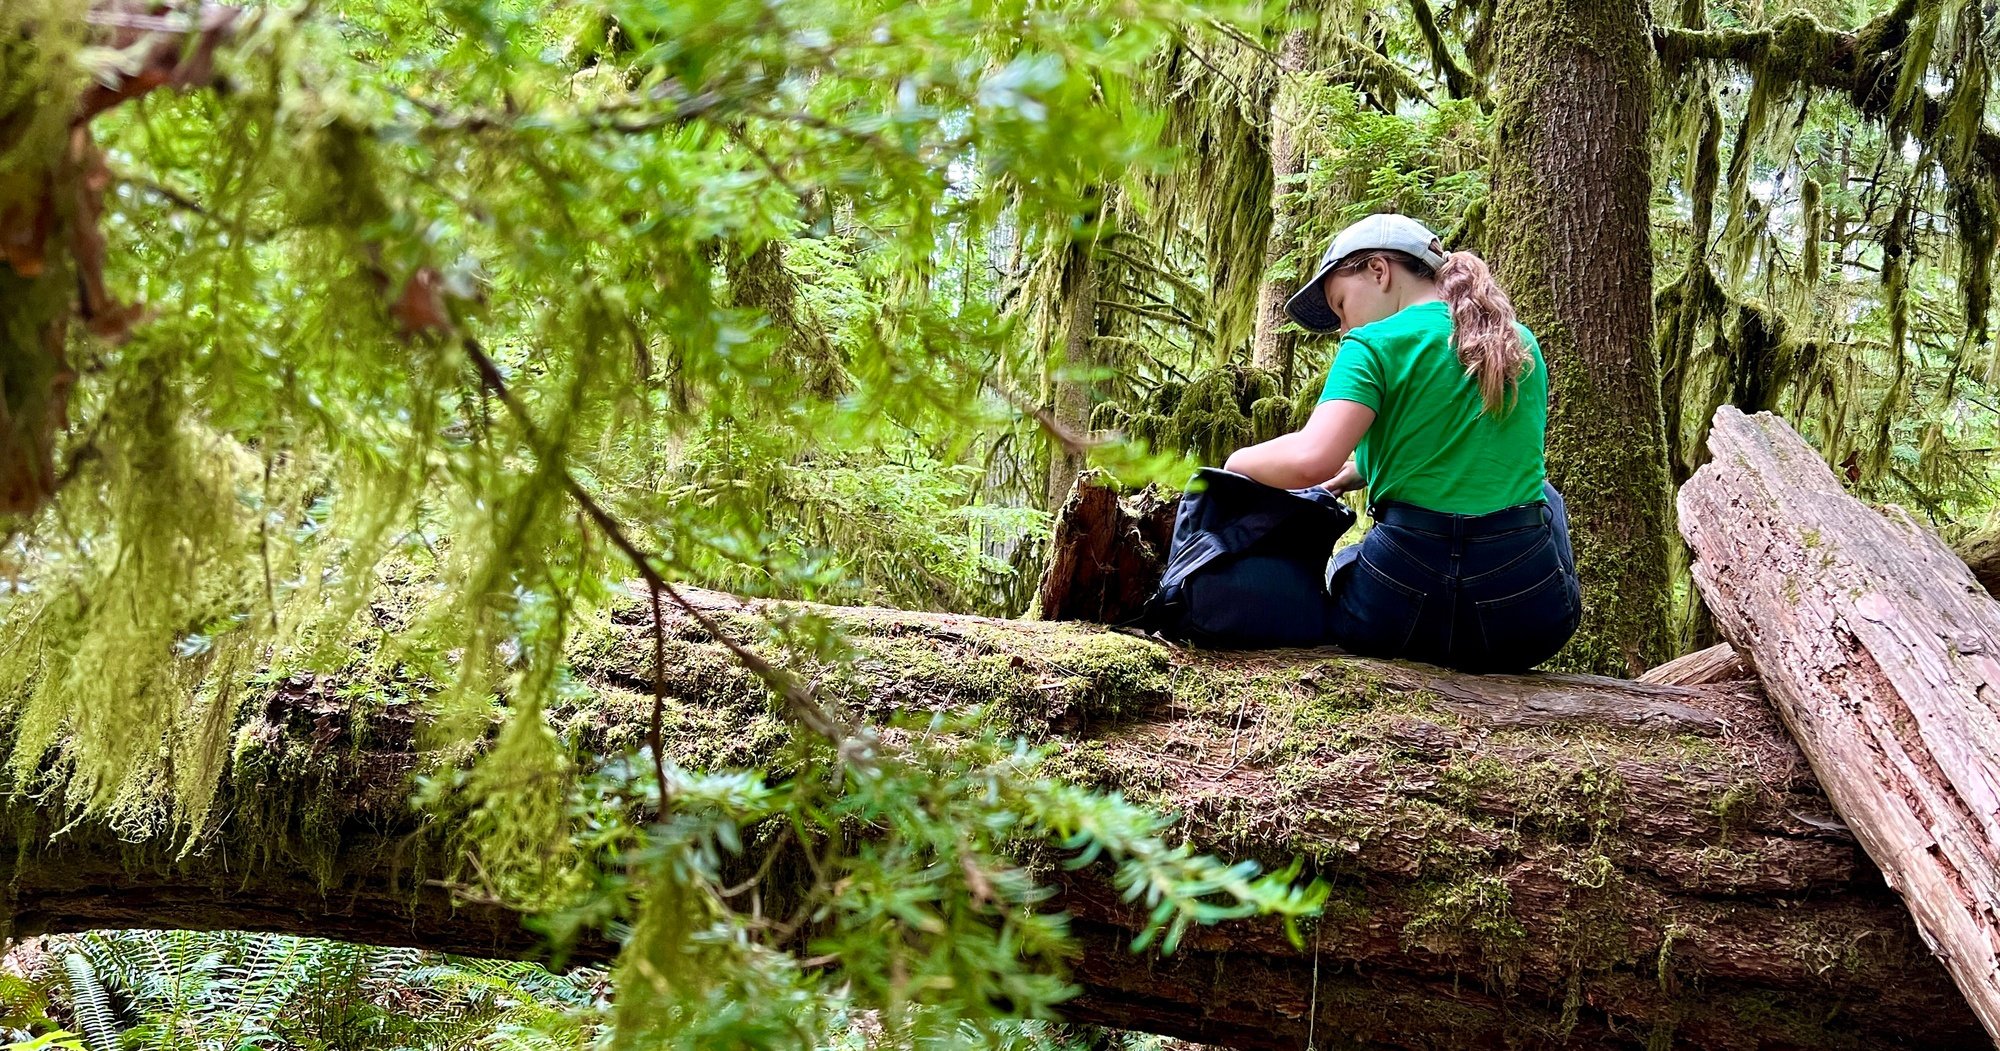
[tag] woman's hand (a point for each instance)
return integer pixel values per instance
(1348, 480)
(1309, 455)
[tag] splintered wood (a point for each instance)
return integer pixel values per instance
(1882, 654)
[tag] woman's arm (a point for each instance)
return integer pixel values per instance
(1310, 455)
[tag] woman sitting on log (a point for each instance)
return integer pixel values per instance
(1437, 403)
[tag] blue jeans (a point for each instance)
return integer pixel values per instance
(1486, 593)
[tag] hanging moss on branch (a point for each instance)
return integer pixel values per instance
(53, 178)
(1882, 69)
(1216, 412)
(1270, 417)
(1811, 266)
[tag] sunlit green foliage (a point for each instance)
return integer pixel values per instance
(461, 315)
(443, 301)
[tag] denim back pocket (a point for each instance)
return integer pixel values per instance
(1376, 613)
(1525, 628)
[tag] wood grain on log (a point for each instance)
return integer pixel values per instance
(1519, 862)
(1883, 655)
(1718, 663)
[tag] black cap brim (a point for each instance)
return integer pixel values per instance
(1308, 306)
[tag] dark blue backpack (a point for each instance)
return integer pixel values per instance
(1247, 567)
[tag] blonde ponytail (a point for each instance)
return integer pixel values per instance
(1482, 320)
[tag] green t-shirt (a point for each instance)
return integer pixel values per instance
(1432, 443)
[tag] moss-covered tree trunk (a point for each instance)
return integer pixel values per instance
(1069, 386)
(1271, 346)
(758, 280)
(1568, 222)
(1517, 861)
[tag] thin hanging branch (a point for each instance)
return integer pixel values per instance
(856, 744)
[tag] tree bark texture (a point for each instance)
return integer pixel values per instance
(1271, 346)
(1882, 653)
(1072, 393)
(1516, 861)
(1571, 244)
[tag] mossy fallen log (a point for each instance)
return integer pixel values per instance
(1531, 861)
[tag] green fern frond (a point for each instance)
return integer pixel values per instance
(96, 1021)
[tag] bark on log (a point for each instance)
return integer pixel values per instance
(1106, 553)
(1883, 655)
(1519, 861)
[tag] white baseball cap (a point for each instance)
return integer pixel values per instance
(1382, 230)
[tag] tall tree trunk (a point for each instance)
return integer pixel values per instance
(1271, 347)
(1571, 183)
(1072, 393)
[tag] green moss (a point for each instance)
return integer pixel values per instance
(1085, 762)
(1304, 402)
(1471, 914)
(1066, 678)
(1269, 418)
(286, 803)
(1805, 1019)
(1578, 797)
(1338, 707)
(1225, 408)
(1811, 262)
(1210, 422)
(1798, 42)
(1165, 398)
(1826, 947)
(1733, 807)
(1149, 429)
(1107, 416)
(1973, 207)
